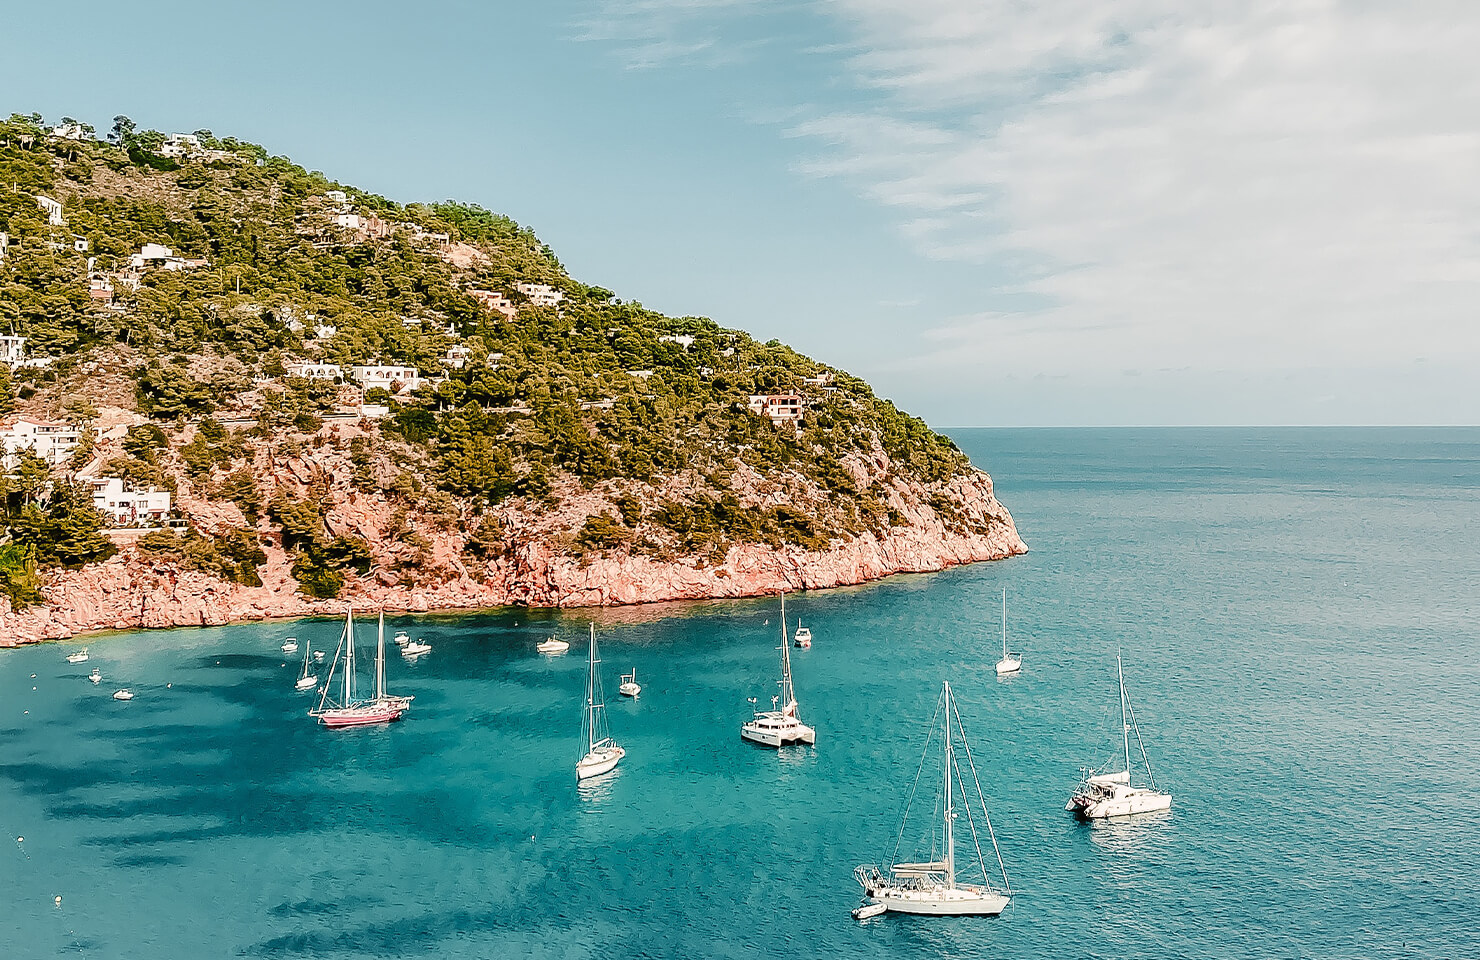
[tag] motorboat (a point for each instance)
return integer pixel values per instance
(629, 687)
(803, 636)
(290, 645)
(415, 648)
(780, 725)
(1009, 664)
(123, 695)
(96, 676)
(401, 638)
(552, 645)
(602, 752)
(934, 887)
(1100, 796)
(79, 657)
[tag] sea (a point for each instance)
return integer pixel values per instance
(1296, 612)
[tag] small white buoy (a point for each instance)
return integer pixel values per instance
(33, 688)
(20, 839)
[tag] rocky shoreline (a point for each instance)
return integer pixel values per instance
(130, 592)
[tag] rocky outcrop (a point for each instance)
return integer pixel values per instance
(129, 592)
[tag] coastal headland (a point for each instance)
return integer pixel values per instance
(236, 390)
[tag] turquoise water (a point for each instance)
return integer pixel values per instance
(1296, 609)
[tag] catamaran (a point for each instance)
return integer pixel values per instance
(1102, 795)
(933, 887)
(351, 711)
(780, 725)
(308, 678)
(1009, 664)
(602, 752)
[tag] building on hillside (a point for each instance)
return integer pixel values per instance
(823, 379)
(457, 356)
(180, 145)
(683, 340)
(50, 440)
(12, 350)
(100, 288)
(364, 227)
(155, 256)
(314, 371)
(495, 301)
(395, 377)
(52, 209)
(68, 131)
(337, 197)
(640, 374)
(779, 408)
(128, 506)
(324, 331)
(4, 244)
(540, 294)
(349, 396)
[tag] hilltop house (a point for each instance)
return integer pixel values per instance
(180, 145)
(540, 294)
(387, 376)
(50, 440)
(314, 371)
(779, 408)
(154, 256)
(68, 131)
(127, 506)
(365, 228)
(495, 301)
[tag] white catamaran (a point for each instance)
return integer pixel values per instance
(933, 887)
(1009, 664)
(351, 711)
(780, 725)
(1102, 795)
(602, 752)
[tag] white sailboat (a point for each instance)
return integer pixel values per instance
(308, 678)
(933, 887)
(124, 694)
(780, 725)
(602, 752)
(1103, 795)
(352, 711)
(629, 687)
(1009, 664)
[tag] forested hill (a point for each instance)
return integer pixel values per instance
(188, 280)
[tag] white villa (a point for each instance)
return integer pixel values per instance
(457, 356)
(683, 340)
(127, 506)
(540, 294)
(12, 350)
(155, 256)
(68, 131)
(178, 145)
(387, 376)
(52, 209)
(779, 408)
(314, 371)
(50, 440)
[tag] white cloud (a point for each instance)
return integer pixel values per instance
(1257, 186)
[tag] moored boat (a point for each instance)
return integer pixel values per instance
(602, 752)
(79, 657)
(781, 725)
(803, 636)
(629, 687)
(290, 645)
(552, 645)
(350, 711)
(1100, 796)
(124, 694)
(1009, 664)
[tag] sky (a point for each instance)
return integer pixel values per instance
(1000, 213)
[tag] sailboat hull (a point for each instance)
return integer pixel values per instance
(306, 683)
(1128, 805)
(772, 733)
(597, 762)
(362, 716)
(963, 901)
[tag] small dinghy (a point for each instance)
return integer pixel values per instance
(290, 645)
(123, 695)
(318, 655)
(552, 645)
(79, 657)
(629, 687)
(96, 676)
(869, 910)
(402, 638)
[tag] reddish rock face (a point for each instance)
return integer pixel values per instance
(537, 566)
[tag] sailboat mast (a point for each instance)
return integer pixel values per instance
(591, 695)
(949, 811)
(349, 656)
(380, 658)
(788, 696)
(1004, 623)
(1125, 727)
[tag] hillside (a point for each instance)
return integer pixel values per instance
(347, 397)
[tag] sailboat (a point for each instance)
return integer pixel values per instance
(1101, 795)
(1009, 664)
(351, 711)
(602, 752)
(308, 679)
(629, 687)
(778, 727)
(933, 887)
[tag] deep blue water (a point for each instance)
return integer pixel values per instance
(1297, 613)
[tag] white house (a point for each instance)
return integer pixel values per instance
(779, 408)
(52, 209)
(67, 131)
(12, 350)
(324, 331)
(457, 356)
(337, 197)
(155, 256)
(180, 145)
(540, 294)
(495, 301)
(127, 506)
(50, 440)
(387, 376)
(314, 371)
(683, 340)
